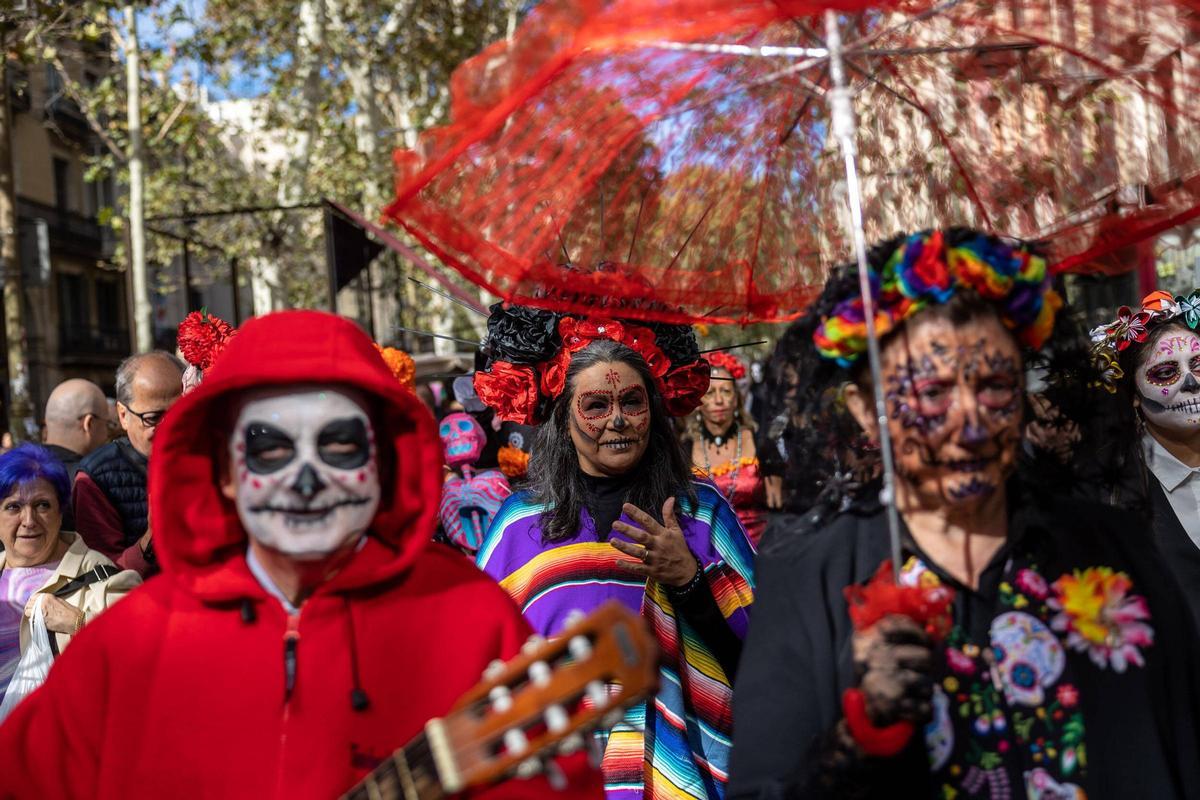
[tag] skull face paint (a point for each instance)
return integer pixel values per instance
(305, 474)
(953, 395)
(609, 418)
(1168, 381)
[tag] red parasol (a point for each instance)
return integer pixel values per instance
(679, 154)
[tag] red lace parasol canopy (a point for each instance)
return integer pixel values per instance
(685, 172)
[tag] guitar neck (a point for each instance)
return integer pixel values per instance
(409, 774)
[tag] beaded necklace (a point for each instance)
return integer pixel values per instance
(737, 460)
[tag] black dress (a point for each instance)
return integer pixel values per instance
(1036, 693)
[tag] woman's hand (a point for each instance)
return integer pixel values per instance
(663, 551)
(894, 660)
(774, 487)
(61, 616)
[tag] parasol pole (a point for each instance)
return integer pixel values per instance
(841, 108)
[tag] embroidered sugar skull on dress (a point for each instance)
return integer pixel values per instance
(1028, 657)
(462, 439)
(1040, 785)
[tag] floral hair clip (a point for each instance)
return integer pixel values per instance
(401, 365)
(201, 339)
(1134, 327)
(527, 353)
(926, 270)
(730, 363)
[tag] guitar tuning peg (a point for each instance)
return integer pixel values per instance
(539, 673)
(556, 718)
(580, 648)
(595, 752)
(575, 616)
(612, 718)
(493, 669)
(554, 775)
(515, 742)
(571, 744)
(595, 692)
(532, 644)
(501, 699)
(529, 768)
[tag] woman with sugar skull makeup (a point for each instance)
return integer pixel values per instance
(1150, 360)
(612, 511)
(302, 628)
(1062, 664)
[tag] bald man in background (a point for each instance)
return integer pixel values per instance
(77, 422)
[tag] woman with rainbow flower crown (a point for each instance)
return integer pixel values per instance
(1040, 653)
(1150, 359)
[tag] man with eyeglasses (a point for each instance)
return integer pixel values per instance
(111, 511)
(77, 423)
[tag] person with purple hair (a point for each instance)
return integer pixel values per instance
(40, 560)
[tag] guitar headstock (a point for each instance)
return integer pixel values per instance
(545, 699)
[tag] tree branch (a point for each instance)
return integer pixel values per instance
(71, 90)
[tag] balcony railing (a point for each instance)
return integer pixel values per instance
(76, 340)
(69, 231)
(65, 114)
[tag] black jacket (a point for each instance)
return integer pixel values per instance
(69, 459)
(1140, 724)
(120, 471)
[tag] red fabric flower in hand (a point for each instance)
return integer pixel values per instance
(511, 390)
(683, 388)
(202, 337)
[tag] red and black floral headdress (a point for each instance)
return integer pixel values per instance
(528, 350)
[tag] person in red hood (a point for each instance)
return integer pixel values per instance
(301, 629)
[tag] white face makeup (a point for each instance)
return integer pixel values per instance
(305, 470)
(1168, 381)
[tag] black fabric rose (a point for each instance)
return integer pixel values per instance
(678, 342)
(522, 335)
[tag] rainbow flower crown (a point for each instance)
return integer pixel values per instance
(923, 271)
(1133, 327)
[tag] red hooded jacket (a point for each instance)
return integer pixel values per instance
(178, 690)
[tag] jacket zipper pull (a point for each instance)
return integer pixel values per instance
(291, 640)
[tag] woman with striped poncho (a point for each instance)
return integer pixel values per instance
(611, 511)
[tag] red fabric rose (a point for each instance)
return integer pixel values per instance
(642, 341)
(730, 363)
(683, 388)
(202, 337)
(511, 390)
(554, 373)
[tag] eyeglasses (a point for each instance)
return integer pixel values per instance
(149, 419)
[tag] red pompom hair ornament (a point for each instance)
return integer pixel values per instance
(202, 337)
(730, 363)
(879, 598)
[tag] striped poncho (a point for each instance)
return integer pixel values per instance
(683, 752)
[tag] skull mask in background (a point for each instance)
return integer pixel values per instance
(305, 470)
(1168, 381)
(462, 439)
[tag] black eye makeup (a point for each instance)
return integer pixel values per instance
(343, 444)
(1163, 374)
(267, 448)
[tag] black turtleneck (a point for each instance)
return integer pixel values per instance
(604, 497)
